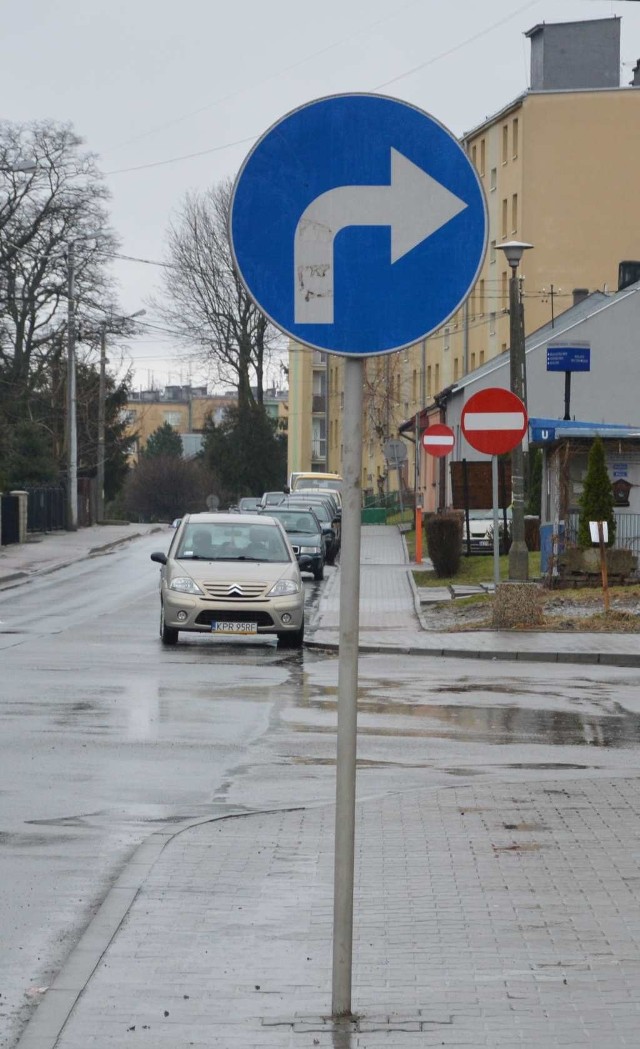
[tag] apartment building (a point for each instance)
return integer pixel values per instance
(555, 164)
(186, 408)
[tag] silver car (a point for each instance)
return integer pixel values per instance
(231, 575)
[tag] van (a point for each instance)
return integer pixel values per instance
(316, 480)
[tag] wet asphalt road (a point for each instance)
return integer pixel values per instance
(105, 735)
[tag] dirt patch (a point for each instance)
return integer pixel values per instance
(560, 613)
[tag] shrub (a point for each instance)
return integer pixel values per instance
(596, 502)
(444, 543)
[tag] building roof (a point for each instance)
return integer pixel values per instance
(546, 431)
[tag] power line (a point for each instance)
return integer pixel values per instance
(458, 47)
(264, 80)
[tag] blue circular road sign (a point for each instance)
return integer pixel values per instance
(358, 224)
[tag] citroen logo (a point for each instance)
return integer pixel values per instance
(235, 590)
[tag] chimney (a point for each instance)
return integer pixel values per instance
(570, 56)
(579, 294)
(636, 75)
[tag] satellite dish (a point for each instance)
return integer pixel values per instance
(213, 502)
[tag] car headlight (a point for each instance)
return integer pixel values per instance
(185, 585)
(284, 586)
(309, 549)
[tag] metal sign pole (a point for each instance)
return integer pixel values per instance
(347, 689)
(496, 527)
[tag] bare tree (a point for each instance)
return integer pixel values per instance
(207, 303)
(51, 194)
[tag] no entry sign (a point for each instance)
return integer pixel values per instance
(494, 421)
(438, 440)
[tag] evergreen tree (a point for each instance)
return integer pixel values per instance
(246, 453)
(165, 442)
(596, 502)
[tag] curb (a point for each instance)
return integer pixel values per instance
(47, 1023)
(589, 658)
(13, 579)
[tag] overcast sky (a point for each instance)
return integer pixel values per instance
(171, 95)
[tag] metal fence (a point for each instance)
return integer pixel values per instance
(45, 507)
(627, 531)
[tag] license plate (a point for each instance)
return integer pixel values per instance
(234, 628)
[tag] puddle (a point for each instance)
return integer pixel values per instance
(496, 724)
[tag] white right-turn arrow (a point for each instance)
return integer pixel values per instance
(414, 205)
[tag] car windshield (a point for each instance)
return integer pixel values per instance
(217, 541)
(322, 482)
(295, 521)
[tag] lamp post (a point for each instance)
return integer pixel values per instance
(102, 396)
(518, 553)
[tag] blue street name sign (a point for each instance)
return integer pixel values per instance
(569, 357)
(358, 224)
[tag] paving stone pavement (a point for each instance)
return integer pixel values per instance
(503, 914)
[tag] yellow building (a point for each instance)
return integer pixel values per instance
(186, 408)
(557, 165)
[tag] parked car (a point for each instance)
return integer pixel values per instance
(481, 531)
(315, 480)
(305, 535)
(249, 504)
(329, 519)
(231, 575)
(272, 499)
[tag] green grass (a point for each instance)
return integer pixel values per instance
(476, 570)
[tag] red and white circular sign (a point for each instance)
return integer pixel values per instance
(438, 439)
(494, 421)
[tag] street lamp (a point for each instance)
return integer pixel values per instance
(518, 553)
(102, 389)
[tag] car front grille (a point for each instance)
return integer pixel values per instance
(235, 591)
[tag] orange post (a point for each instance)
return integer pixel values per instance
(418, 535)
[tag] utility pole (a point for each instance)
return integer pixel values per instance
(101, 421)
(71, 426)
(102, 397)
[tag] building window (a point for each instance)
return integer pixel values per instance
(504, 290)
(514, 213)
(318, 440)
(481, 291)
(505, 143)
(492, 324)
(414, 386)
(482, 155)
(481, 356)
(437, 378)
(492, 251)
(456, 365)
(446, 338)
(474, 156)
(428, 380)
(505, 219)
(473, 361)
(515, 131)
(493, 183)
(173, 418)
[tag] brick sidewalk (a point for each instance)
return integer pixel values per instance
(505, 914)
